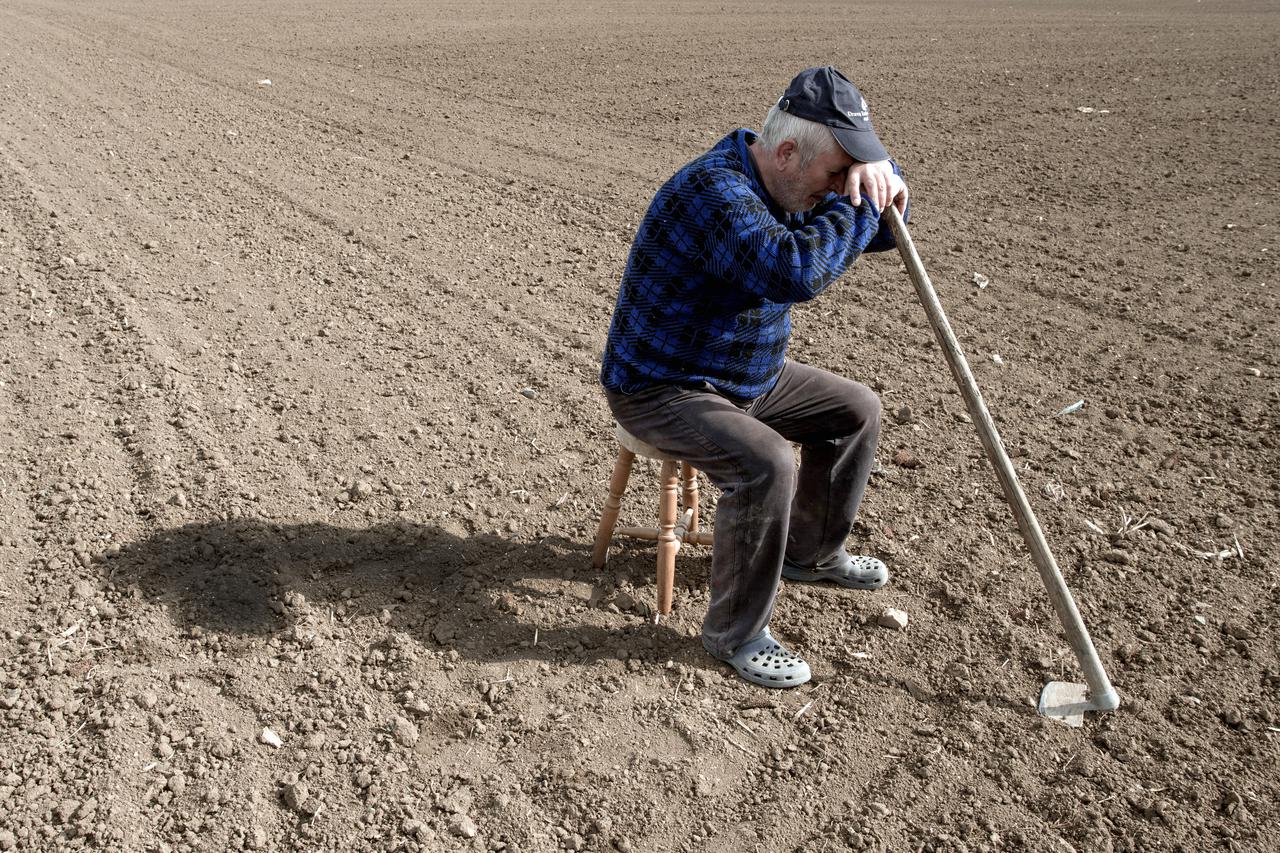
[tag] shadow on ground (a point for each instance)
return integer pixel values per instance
(487, 597)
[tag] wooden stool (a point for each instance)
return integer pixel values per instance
(677, 512)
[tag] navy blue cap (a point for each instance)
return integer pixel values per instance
(826, 96)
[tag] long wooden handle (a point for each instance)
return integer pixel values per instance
(1103, 696)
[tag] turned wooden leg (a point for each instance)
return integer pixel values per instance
(668, 544)
(609, 518)
(691, 493)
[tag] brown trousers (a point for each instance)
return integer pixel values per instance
(767, 509)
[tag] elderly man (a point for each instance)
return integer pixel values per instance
(695, 361)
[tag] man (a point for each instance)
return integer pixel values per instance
(695, 361)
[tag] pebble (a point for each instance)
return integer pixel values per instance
(271, 739)
(893, 618)
(463, 826)
(1120, 558)
(1224, 522)
(903, 414)
(405, 732)
(7, 840)
(1238, 630)
(528, 392)
(295, 794)
(177, 783)
(906, 459)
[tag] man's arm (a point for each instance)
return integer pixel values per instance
(745, 244)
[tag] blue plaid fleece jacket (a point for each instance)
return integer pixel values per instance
(714, 270)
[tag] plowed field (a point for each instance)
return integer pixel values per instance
(303, 304)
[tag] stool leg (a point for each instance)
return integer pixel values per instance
(690, 499)
(609, 517)
(668, 545)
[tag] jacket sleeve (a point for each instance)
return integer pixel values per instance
(746, 244)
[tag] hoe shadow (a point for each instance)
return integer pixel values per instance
(487, 597)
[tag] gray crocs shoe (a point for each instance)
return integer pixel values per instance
(763, 661)
(854, 572)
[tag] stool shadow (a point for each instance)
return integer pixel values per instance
(481, 595)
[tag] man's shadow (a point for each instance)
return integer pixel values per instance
(488, 598)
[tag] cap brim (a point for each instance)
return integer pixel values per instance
(862, 145)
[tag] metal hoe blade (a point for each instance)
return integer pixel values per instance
(1061, 700)
(1065, 701)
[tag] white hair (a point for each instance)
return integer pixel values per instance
(811, 138)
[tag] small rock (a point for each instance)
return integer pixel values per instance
(879, 809)
(146, 699)
(893, 618)
(294, 794)
(1159, 525)
(7, 840)
(222, 748)
(405, 732)
(903, 414)
(981, 280)
(459, 802)
(315, 740)
(906, 459)
(528, 392)
(177, 783)
(1238, 630)
(1224, 522)
(1120, 558)
(362, 489)
(271, 739)
(463, 826)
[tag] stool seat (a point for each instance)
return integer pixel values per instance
(639, 448)
(677, 511)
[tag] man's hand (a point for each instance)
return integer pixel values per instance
(880, 184)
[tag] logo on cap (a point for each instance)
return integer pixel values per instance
(862, 113)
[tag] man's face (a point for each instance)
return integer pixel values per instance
(800, 189)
